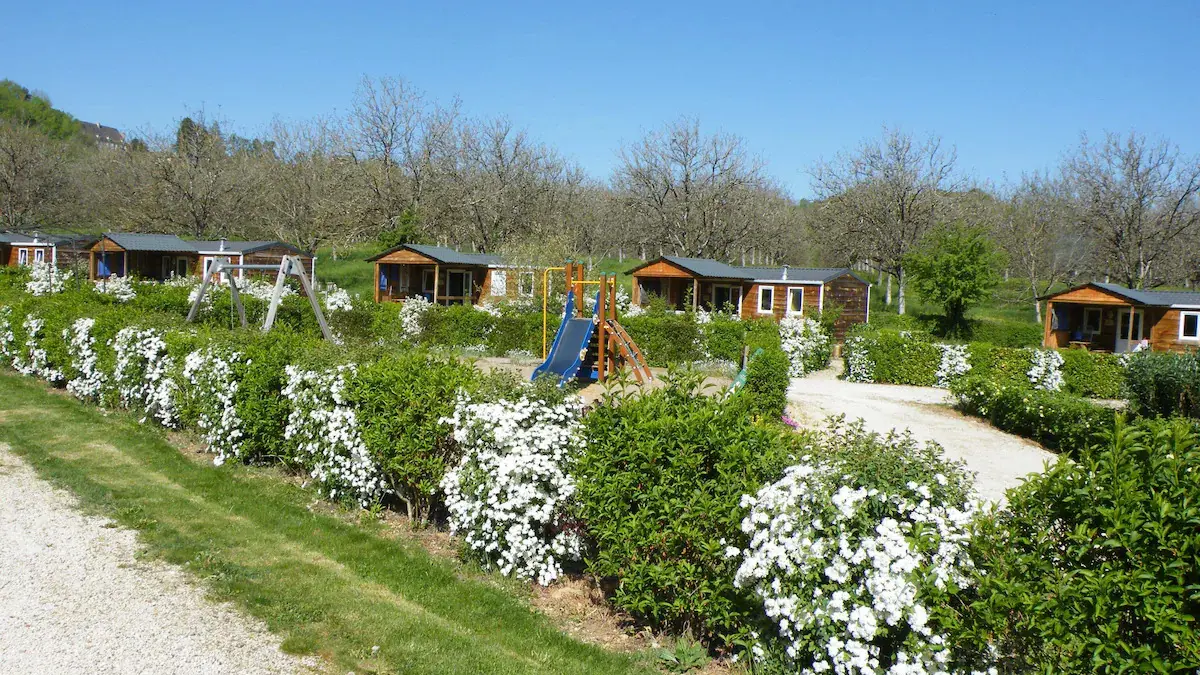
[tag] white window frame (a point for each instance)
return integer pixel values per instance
(468, 283)
(521, 284)
(497, 283)
(22, 256)
(759, 305)
(1189, 338)
(787, 305)
(39, 255)
(428, 275)
(1099, 311)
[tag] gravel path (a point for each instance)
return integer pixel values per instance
(75, 598)
(999, 460)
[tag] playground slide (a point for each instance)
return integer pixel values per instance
(570, 345)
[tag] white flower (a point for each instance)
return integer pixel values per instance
(805, 342)
(46, 279)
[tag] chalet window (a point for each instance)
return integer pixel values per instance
(1091, 321)
(427, 281)
(181, 267)
(22, 256)
(39, 255)
(766, 299)
(525, 284)
(795, 304)
(1189, 326)
(724, 296)
(499, 283)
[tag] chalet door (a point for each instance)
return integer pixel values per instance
(167, 263)
(458, 285)
(1124, 342)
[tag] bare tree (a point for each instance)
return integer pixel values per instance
(312, 194)
(33, 175)
(880, 201)
(1041, 234)
(694, 192)
(1139, 198)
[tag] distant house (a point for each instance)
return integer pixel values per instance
(162, 256)
(105, 137)
(448, 277)
(754, 291)
(64, 250)
(1114, 318)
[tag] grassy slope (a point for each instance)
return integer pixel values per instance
(328, 586)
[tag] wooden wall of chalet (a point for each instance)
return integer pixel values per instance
(849, 293)
(273, 256)
(12, 254)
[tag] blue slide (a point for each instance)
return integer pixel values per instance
(570, 345)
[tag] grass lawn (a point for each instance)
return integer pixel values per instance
(326, 585)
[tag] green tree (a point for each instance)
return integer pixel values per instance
(956, 267)
(28, 109)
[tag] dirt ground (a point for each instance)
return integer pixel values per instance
(999, 460)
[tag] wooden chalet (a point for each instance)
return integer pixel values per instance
(754, 291)
(18, 248)
(162, 256)
(1113, 318)
(448, 277)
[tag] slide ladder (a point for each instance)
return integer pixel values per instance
(629, 352)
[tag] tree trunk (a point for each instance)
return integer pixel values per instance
(887, 296)
(900, 292)
(1037, 304)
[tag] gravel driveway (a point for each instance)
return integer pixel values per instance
(75, 598)
(999, 460)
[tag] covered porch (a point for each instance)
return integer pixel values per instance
(439, 284)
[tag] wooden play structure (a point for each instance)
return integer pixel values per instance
(223, 269)
(588, 347)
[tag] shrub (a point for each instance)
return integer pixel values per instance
(210, 386)
(143, 374)
(892, 357)
(665, 338)
(509, 495)
(723, 337)
(806, 343)
(1002, 333)
(1092, 374)
(854, 554)
(659, 486)
(1092, 566)
(455, 326)
(399, 402)
(1163, 384)
(999, 365)
(1061, 422)
(764, 394)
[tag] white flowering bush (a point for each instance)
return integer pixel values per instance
(509, 495)
(121, 288)
(7, 338)
(88, 382)
(46, 279)
(324, 433)
(490, 308)
(210, 386)
(337, 300)
(263, 290)
(33, 360)
(412, 315)
(806, 343)
(143, 374)
(953, 364)
(854, 553)
(1045, 369)
(857, 356)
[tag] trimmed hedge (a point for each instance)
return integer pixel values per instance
(765, 393)
(1093, 374)
(1164, 384)
(1061, 422)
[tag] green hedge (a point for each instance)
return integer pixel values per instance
(765, 393)
(1093, 374)
(1164, 384)
(659, 492)
(1061, 422)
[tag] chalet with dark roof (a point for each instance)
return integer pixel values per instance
(1113, 318)
(753, 292)
(64, 250)
(162, 256)
(448, 276)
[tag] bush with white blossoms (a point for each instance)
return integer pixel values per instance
(412, 315)
(33, 360)
(7, 338)
(806, 343)
(859, 366)
(88, 383)
(121, 288)
(46, 279)
(142, 374)
(508, 497)
(337, 300)
(853, 554)
(210, 387)
(953, 364)
(324, 431)
(1045, 369)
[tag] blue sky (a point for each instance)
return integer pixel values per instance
(1011, 85)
